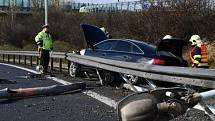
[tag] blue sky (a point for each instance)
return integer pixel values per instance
(103, 1)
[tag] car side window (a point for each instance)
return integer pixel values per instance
(123, 46)
(136, 50)
(106, 45)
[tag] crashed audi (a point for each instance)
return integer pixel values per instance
(167, 53)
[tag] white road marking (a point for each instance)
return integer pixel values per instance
(106, 100)
(59, 80)
(103, 99)
(22, 68)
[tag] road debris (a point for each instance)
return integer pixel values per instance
(50, 90)
(162, 104)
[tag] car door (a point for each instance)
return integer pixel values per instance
(101, 49)
(122, 51)
(137, 55)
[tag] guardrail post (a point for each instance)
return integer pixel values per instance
(14, 59)
(68, 66)
(52, 65)
(31, 61)
(25, 60)
(8, 58)
(19, 58)
(37, 60)
(3, 57)
(60, 65)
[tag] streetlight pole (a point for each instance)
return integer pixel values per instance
(12, 6)
(46, 12)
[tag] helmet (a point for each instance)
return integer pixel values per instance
(195, 40)
(167, 37)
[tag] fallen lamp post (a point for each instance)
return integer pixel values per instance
(8, 93)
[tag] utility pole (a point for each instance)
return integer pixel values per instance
(12, 10)
(46, 12)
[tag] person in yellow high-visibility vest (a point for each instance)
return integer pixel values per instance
(198, 54)
(45, 45)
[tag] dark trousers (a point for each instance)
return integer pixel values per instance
(44, 59)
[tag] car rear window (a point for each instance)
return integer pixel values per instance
(136, 50)
(147, 48)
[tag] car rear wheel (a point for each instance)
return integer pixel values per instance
(74, 70)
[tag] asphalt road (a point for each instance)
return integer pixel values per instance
(68, 107)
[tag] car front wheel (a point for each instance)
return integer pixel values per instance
(109, 78)
(131, 78)
(74, 70)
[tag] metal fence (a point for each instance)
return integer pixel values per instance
(135, 6)
(31, 58)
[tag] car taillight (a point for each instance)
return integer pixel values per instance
(158, 61)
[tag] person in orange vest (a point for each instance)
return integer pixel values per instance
(198, 54)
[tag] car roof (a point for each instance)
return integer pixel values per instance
(133, 41)
(140, 42)
(143, 46)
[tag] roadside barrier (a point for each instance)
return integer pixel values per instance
(180, 75)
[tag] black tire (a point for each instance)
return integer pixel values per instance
(107, 77)
(75, 70)
(110, 78)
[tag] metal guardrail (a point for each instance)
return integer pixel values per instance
(181, 75)
(13, 54)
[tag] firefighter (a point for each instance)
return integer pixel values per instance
(198, 53)
(167, 37)
(44, 42)
(106, 33)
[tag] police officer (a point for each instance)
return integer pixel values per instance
(198, 54)
(44, 42)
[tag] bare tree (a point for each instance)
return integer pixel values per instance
(55, 2)
(37, 3)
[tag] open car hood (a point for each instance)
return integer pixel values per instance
(174, 46)
(92, 34)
